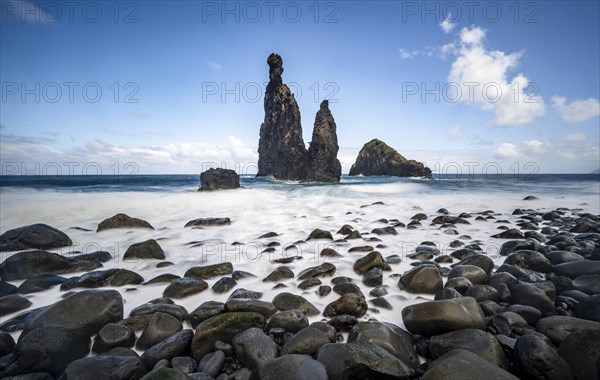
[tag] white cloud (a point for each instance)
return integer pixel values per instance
(571, 137)
(507, 150)
(447, 25)
(455, 133)
(169, 158)
(214, 66)
(534, 147)
(482, 76)
(405, 54)
(578, 110)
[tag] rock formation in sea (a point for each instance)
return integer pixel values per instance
(378, 158)
(281, 149)
(323, 165)
(217, 179)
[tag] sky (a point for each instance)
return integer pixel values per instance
(156, 87)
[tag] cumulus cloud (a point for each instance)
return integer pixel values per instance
(534, 147)
(482, 76)
(577, 110)
(507, 150)
(447, 25)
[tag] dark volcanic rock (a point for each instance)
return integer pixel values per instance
(206, 222)
(175, 345)
(204, 311)
(439, 317)
(87, 311)
(223, 327)
(479, 342)
(461, 364)
(349, 303)
(39, 283)
(361, 360)
(123, 221)
(185, 287)
(291, 367)
(113, 335)
(581, 350)
(13, 302)
(217, 179)
(160, 326)
(281, 149)
(535, 359)
(105, 367)
(48, 349)
(377, 158)
(149, 249)
(289, 320)
(288, 301)
(35, 236)
(109, 277)
(253, 347)
(393, 339)
(323, 165)
(209, 271)
(558, 327)
(371, 260)
(529, 294)
(27, 264)
(422, 279)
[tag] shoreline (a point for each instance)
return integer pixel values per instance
(293, 227)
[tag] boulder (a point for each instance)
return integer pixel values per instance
(288, 301)
(558, 327)
(28, 264)
(378, 158)
(149, 249)
(122, 221)
(113, 335)
(160, 326)
(581, 350)
(349, 303)
(109, 277)
(175, 345)
(222, 327)
(209, 271)
(393, 339)
(88, 311)
(478, 342)
(281, 150)
(422, 279)
(439, 317)
(306, 342)
(461, 364)
(291, 367)
(208, 222)
(48, 349)
(361, 360)
(371, 260)
(535, 359)
(105, 367)
(218, 179)
(323, 165)
(253, 347)
(36, 236)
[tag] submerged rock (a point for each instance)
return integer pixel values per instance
(323, 165)
(378, 158)
(281, 150)
(217, 179)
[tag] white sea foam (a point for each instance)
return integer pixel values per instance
(291, 211)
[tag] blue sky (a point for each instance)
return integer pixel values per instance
(172, 87)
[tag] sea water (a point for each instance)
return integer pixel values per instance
(76, 204)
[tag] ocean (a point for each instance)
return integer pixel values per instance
(76, 204)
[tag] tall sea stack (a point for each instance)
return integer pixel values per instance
(281, 149)
(323, 165)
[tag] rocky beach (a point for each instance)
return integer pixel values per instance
(387, 281)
